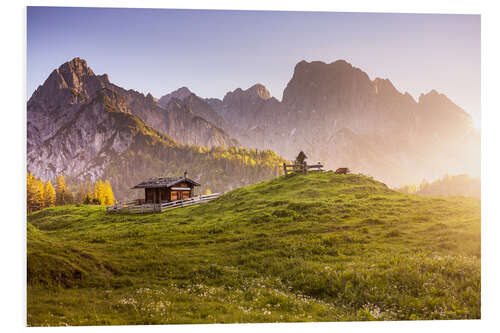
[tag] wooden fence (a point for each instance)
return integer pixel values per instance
(135, 206)
(302, 167)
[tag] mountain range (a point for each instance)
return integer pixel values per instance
(338, 116)
(86, 128)
(82, 125)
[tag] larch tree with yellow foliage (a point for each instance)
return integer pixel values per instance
(99, 194)
(68, 196)
(109, 197)
(50, 195)
(34, 193)
(60, 190)
(40, 194)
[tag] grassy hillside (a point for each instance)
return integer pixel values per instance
(316, 247)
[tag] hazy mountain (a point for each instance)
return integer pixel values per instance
(190, 127)
(202, 108)
(333, 112)
(337, 115)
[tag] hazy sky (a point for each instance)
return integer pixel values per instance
(212, 52)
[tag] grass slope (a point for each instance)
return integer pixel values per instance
(316, 247)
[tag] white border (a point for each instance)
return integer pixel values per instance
(13, 88)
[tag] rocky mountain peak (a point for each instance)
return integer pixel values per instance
(432, 95)
(77, 66)
(318, 83)
(260, 91)
(306, 66)
(150, 98)
(383, 85)
(257, 92)
(71, 83)
(180, 93)
(433, 98)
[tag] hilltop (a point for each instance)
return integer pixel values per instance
(315, 247)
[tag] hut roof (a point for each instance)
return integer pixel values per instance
(164, 182)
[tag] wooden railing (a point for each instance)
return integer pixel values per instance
(302, 167)
(135, 206)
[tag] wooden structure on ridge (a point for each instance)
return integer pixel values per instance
(305, 168)
(300, 165)
(161, 190)
(162, 194)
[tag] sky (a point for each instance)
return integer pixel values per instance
(213, 52)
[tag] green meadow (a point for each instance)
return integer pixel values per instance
(315, 247)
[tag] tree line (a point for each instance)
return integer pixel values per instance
(218, 169)
(42, 194)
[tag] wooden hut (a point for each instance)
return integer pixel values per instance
(160, 190)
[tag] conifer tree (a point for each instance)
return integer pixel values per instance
(88, 195)
(80, 194)
(87, 200)
(60, 190)
(34, 193)
(50, 195)
(109, 197)
(99, 192)
(40, 194)
(68, 196)
(30, 192)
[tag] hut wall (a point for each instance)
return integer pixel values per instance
(164, 194)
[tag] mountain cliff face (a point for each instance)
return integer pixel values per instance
(97, 131)
(82, 126)
(201, 108)
(59, 98)
(74, 83)
(337, 115)
(191, 127)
